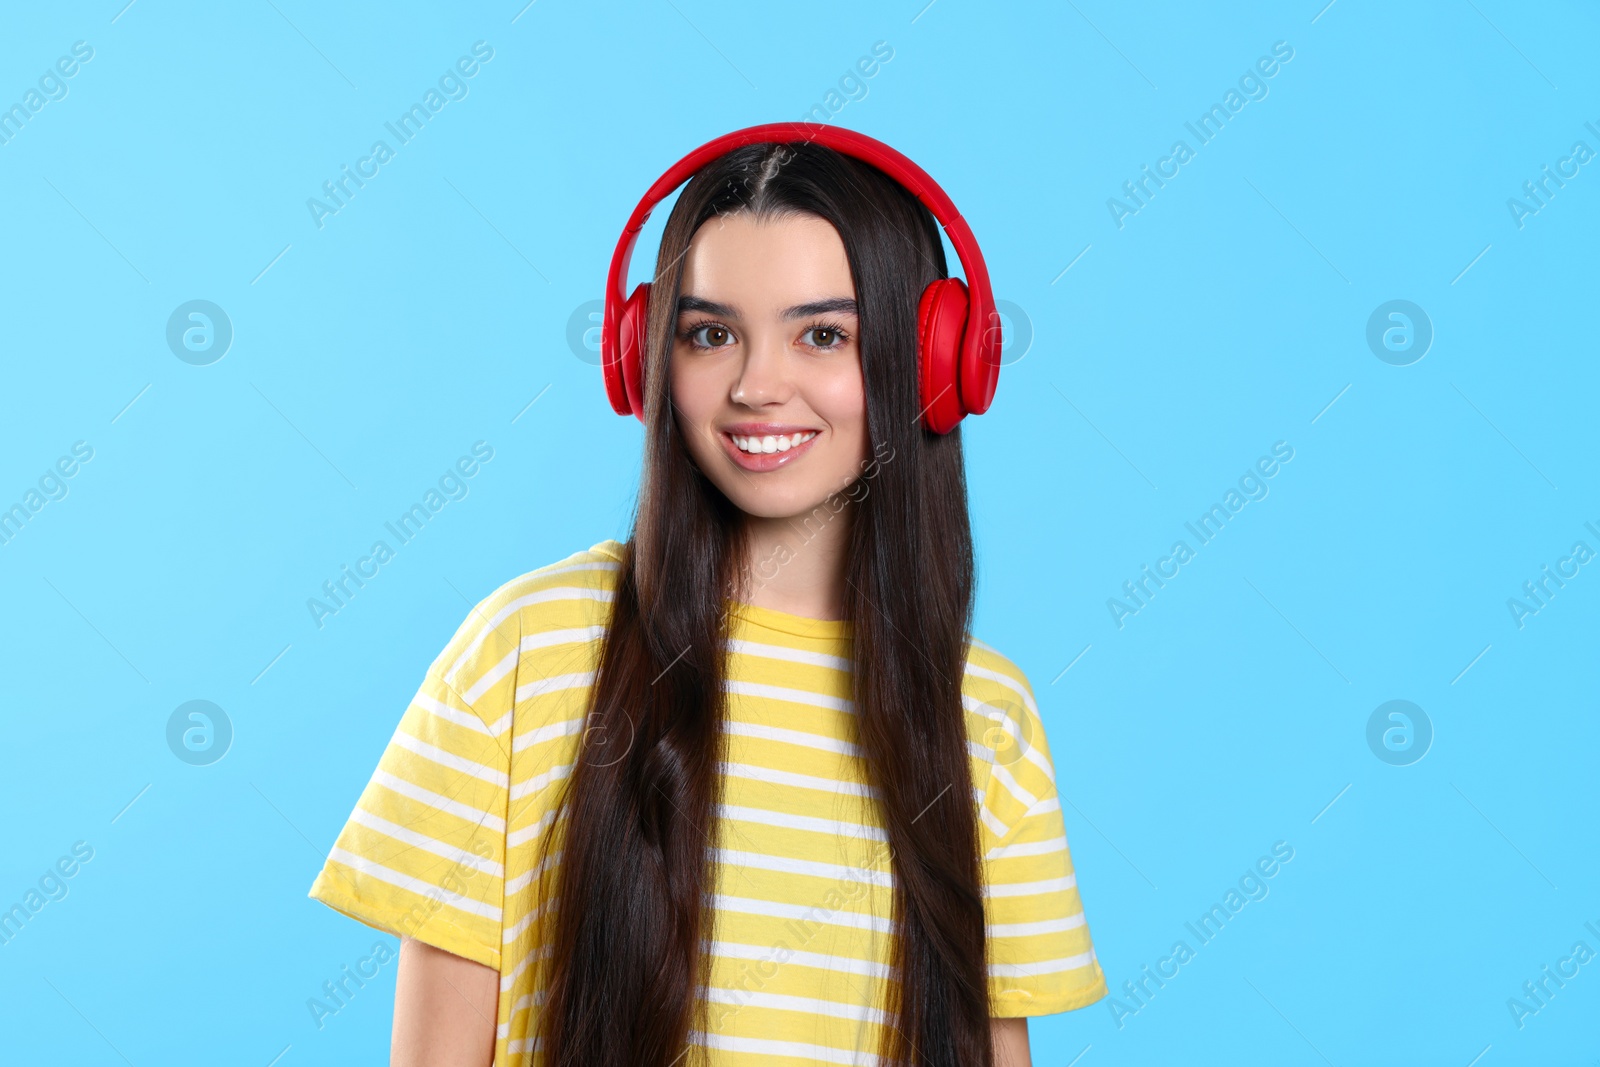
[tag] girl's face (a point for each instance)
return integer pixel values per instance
(765, 373)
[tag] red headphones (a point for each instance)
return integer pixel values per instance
(958, 329)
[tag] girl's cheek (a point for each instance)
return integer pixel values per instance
(689, 391)
(843, 397)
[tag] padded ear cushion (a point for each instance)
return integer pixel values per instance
(980, 366)
(631, 344)
(611, 359)
(941, 323)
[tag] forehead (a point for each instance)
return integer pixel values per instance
(758, 266)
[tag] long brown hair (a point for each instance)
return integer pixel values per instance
(626, 961)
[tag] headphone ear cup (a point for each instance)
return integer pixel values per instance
(630, 348)
(941, 324)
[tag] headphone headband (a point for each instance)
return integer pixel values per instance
(980, 348)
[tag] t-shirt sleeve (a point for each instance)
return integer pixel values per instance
(1041, 958)
(423, 853)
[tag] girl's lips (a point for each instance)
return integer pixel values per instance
(764, 461)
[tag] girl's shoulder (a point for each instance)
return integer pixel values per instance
(1003, 715)
(993, 678)
(589, 576)
(558, 610)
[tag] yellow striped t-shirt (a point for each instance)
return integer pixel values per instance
(442, 844)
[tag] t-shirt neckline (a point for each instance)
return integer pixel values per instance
(784, 622)
(758, 616)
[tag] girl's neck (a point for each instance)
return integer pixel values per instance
(797, 565)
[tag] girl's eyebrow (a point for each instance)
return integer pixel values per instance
(687, 304)
(834, 305)
(837, 305)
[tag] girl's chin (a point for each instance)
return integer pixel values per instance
(792, 508)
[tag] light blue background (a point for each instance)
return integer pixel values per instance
(1223, 317)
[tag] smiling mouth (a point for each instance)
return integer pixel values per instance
(770, 443)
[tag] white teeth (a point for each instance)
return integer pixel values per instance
(770, 443)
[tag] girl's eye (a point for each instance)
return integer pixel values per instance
(710, 336)
(824, 337)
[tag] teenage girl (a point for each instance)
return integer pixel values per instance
(743, 789)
